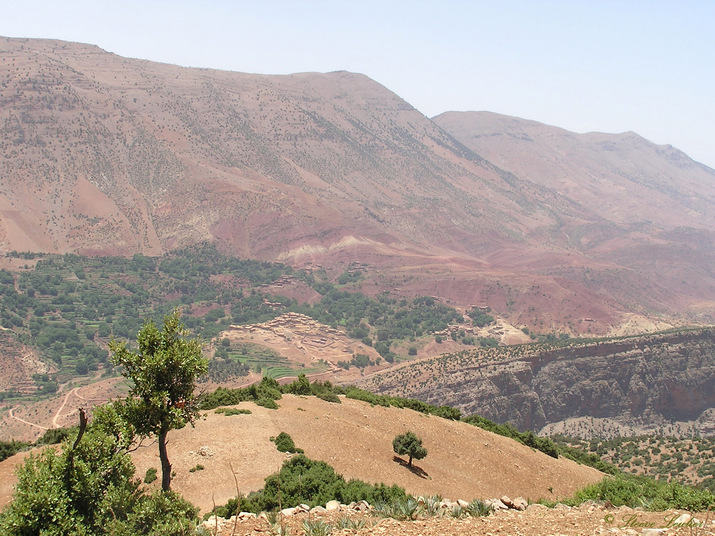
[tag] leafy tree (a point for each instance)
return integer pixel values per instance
(409, 444)
(88, 489)
(164, 371)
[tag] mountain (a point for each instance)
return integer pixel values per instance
(650, 212)
(108, 155)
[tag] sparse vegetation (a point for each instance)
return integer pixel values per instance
(151, 475)
(228, 412)
(639, 491)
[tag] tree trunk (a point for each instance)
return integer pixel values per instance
(165, 465)
(409, 463)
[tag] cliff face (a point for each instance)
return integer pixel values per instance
(640, 383)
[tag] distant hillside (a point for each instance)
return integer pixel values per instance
(660, 383)
(108, 155)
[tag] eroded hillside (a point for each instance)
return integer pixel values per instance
(108, 155)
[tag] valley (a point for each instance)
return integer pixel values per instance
(317, 226)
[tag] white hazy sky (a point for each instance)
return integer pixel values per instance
(584, 65)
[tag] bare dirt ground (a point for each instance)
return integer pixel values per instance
(356, 439)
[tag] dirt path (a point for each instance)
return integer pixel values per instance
(64, 403)
(12, 416)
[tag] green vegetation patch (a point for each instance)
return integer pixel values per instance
(305, 481)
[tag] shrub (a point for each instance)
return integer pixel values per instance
(302, 480)
(639, 491)
(284, 443)
(266, 402)
(150, 475)
(329, 397)
(9, 448)
(228, 412)
(89, 489)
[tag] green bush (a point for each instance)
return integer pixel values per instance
(302, 480)
(228, 412)
(150, 475)
(639, 491)
(10, 448)
(91, 490)
(268, 403)
(54, 436)
(284, 443)
(329, 397)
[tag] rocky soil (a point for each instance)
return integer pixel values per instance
(536, 520)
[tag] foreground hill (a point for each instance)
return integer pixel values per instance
(356, 439)
(108, 155)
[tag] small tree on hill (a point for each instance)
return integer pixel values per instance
(164, 371)
(409, 444)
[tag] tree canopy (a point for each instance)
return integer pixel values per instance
(409, 444)
(164, 371)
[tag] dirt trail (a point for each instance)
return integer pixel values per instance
(64, 403)
(13, 416)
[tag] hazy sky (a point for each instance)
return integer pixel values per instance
(604, 65)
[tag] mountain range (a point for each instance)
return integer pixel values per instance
(555, 231)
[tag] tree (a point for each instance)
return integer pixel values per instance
(88, 489)
(409, 444)
(164, 371)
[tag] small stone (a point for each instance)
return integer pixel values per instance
(331, 506)
(246, 515)
(682, 519)
(520, 504)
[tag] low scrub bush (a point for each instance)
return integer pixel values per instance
(284, 443)
(233, 411)
(305, 481)
(10, 448)
(640, 491)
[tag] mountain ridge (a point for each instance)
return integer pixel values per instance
(108, 155)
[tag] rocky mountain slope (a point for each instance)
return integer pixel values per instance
(105, 155)
(653, 205)
(661, 383)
